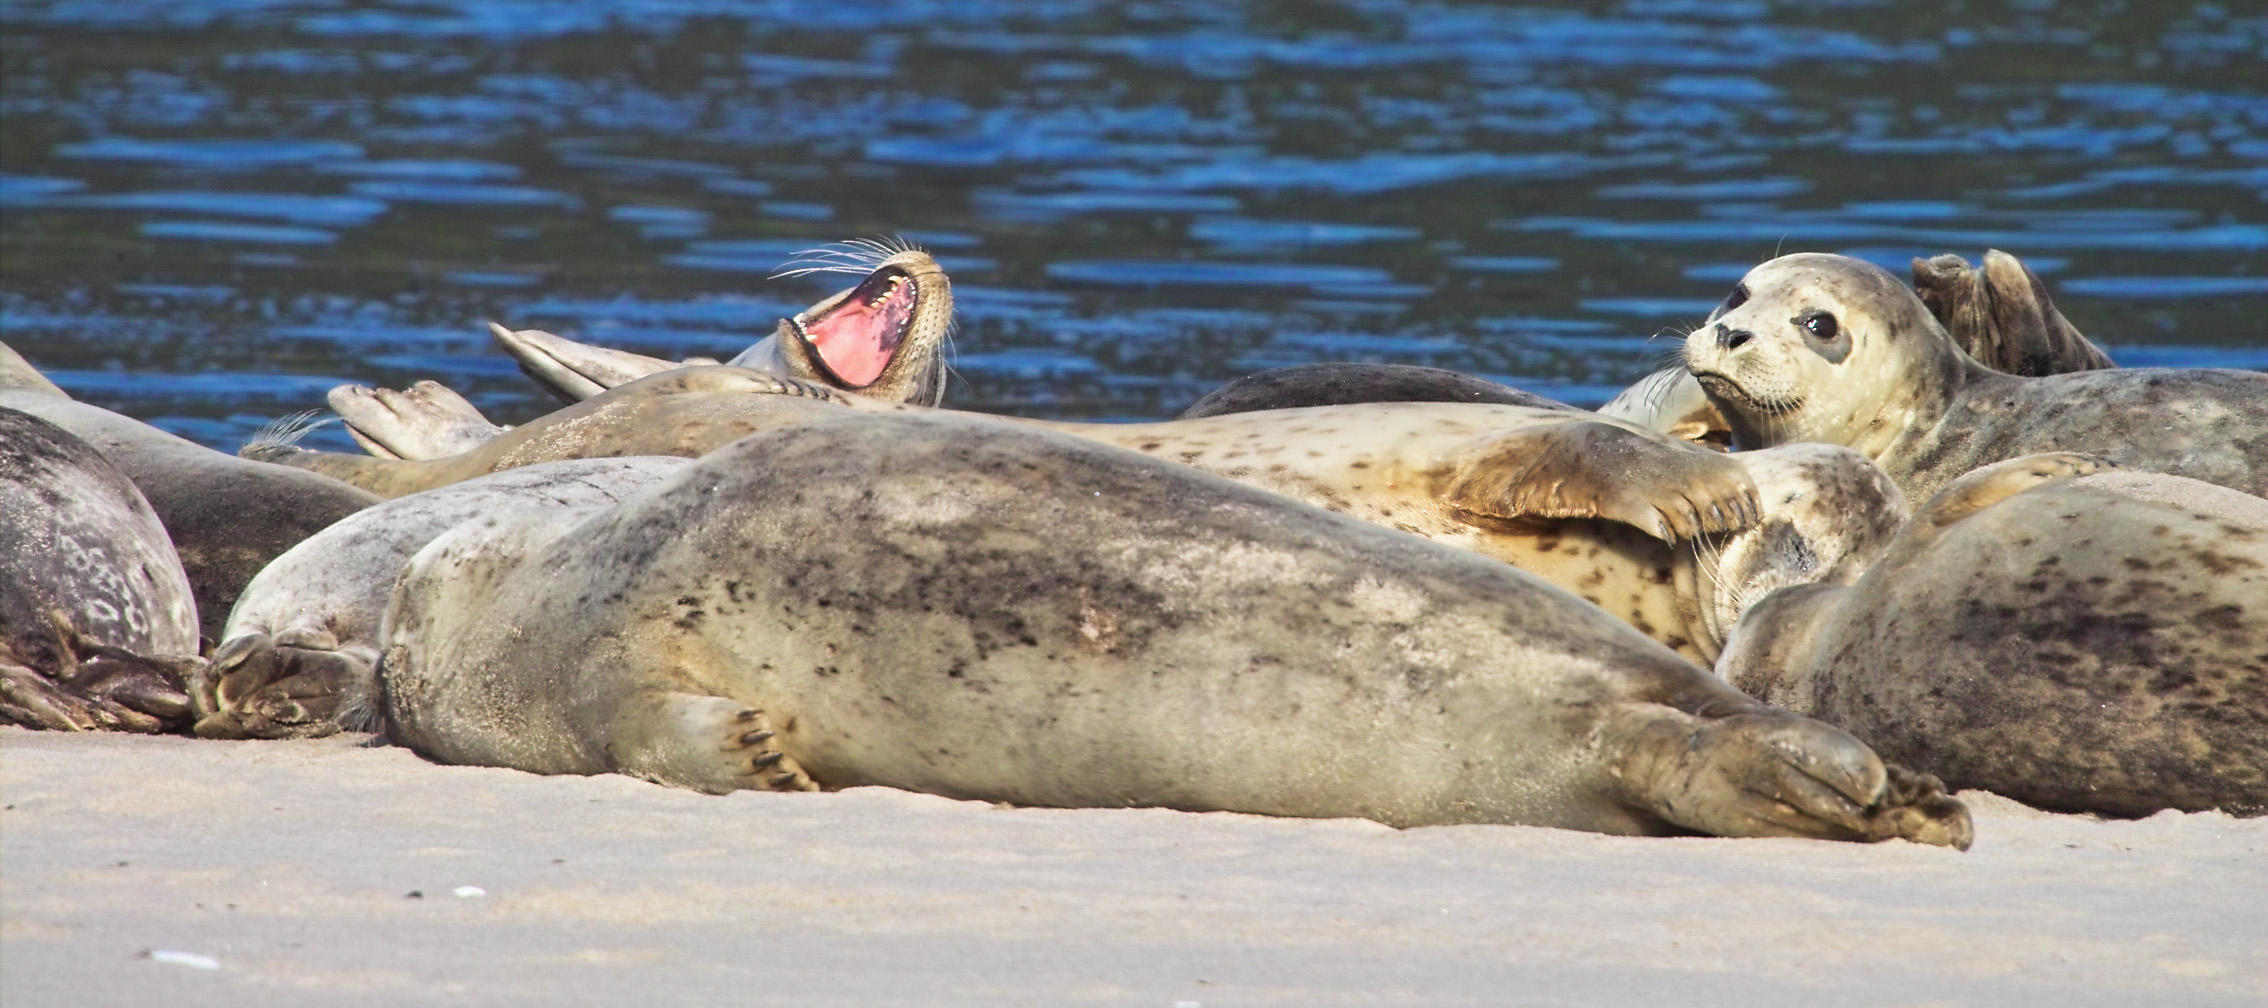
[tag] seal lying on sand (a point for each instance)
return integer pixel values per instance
(883, 338)
(2095, 644)
(1829, 348)
(296, 658)
(1602, 509)
(97, 624)
(957, 605)
(227, 516)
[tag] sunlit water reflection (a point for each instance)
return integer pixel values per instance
(213, 211)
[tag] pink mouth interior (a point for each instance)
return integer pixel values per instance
(857, 339)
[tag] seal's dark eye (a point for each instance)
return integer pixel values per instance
(1825, 336)
(1738, 297)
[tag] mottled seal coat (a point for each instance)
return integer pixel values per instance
(1341, 383)
(1519, 484)
(958, 605)
(882, 338)
(1829, 348)
(297, 655)
(97, 623)
(2092, 644)
(228, 516)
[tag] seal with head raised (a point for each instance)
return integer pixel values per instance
(958, 605)
(297, 655)
(883, 338)
(97, 623)
(2077, 637)
(227, 516)
(1670, 537)
(1829, 348)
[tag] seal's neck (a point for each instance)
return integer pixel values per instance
(1907, 396)
(1772, 653)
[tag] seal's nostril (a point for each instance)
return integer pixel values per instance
(1731, 339)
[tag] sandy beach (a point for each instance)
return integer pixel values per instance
(145, 870)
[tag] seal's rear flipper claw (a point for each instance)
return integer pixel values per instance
(1590, 469)
(707, 743)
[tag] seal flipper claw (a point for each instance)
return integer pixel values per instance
(1588, 469)
(1769, 773)
(707, 743)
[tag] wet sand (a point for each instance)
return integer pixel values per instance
(183, 872)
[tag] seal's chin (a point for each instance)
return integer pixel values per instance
(853, 335)
(1724, 389)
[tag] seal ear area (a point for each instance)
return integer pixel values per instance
(1589, 469)
(1770, 773)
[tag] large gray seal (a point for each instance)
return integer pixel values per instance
(1667, 536)
(298, 653)
(228, 516)
(958, 605)
(1828, 348)
(882, 338)
(97, 623)
(2074, 638)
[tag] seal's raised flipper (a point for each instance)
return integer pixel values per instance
(1999, 481)
(291, 685)
(1587, 469)
(1671, 401)
(576, 371)
(1770, 773)
(2000, 313)
(429, 420)
(690, 740)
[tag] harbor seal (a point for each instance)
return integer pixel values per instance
(882, 338)
(97, 623)
(2076, 637)
(1828, 348)
(1669, 537)
(962, 606)
(1999, 313)
(227, 516)
(297, 655)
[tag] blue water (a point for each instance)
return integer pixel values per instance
(210, 212)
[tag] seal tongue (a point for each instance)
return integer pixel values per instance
(858, 337)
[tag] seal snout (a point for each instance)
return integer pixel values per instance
(1732, 339)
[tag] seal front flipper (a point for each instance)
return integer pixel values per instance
(429, 420)
(690, 740)
(1588, 469)
(290, 685)
(1771, 773)
(575, 371)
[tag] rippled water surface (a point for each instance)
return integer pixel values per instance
(211, 212)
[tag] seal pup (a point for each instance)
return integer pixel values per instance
(962, 606)
(883, 338)
(97, 623)
(1829, 348)
(2074, 636)
(297, 655)
(1665, 535)
(227, 516)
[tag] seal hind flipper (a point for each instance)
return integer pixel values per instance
(1588, 469)
(691, 740)
(1990, 485)
(2001, 314)
(574, 371)
(1770, 773)
(95, 686)
(428, 420)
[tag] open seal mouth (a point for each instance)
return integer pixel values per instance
(853, 337)
(1725, 389)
